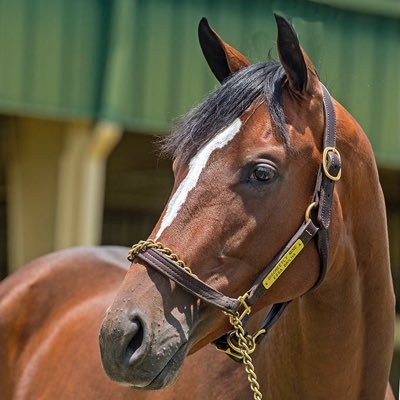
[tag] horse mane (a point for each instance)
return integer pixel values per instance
(228, 102)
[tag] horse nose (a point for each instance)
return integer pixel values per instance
(123, 342)
(134, 343)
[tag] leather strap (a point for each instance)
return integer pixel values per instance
(323, 198)
(189, 282)
(324, 187)
(305, 233)
(272, 317)
(210, 295)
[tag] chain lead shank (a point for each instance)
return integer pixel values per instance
(246, 346)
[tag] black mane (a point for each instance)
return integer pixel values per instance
(224, 105)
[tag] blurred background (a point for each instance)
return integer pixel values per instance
(86, 85)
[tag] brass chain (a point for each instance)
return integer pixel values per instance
(151, 244)
(246, 346)
(246, 342)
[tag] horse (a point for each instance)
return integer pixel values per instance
(259, 189)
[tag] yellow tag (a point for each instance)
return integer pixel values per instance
(285, 261)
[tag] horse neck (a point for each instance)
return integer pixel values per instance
(337, 340)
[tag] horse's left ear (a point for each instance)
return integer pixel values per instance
(298, 67)
(221, 58)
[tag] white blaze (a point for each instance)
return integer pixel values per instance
(196, 165)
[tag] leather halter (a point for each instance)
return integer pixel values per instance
(321, 207)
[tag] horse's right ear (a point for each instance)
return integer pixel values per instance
(299, 70)
(221, 58)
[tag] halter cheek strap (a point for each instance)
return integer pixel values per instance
(328, 173)
(166, 262)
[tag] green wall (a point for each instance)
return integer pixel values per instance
(138, 62)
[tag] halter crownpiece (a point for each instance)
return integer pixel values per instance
(237, 343)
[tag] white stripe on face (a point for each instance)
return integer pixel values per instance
(196, 166)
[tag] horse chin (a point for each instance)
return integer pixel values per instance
(168, 374)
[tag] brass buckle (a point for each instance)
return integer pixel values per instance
(325, 162)
(309, 209)
(246, 310)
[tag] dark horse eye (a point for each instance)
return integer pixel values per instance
(263, 173)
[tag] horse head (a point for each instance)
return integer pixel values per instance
(246, 161)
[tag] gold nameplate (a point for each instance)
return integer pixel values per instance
(285, 261)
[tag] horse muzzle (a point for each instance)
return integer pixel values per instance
(141, 347)
(124, 342)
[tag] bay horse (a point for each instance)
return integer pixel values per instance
(258, 182)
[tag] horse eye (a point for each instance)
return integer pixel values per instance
(263, 173)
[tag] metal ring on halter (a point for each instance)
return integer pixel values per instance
(309, 209)
(325, 163)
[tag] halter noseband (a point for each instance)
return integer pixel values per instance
(166, 262)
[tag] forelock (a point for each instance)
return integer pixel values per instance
(228, 102)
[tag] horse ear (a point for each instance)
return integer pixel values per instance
(222, 59)
(293, 58)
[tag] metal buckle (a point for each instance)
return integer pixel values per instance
(309, 209)
(325, 162)
(246, 311)
(247, 308)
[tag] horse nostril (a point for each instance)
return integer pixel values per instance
(132, 350)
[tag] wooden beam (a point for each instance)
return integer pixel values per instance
(105, 137)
